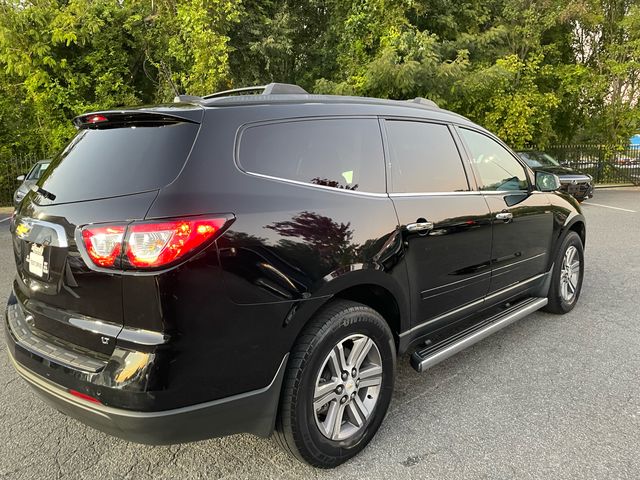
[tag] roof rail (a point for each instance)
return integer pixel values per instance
(283, 89)
(270, 89)
(186, 99)
(226, 93)
(424, 101)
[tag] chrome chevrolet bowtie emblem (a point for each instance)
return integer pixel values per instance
(23, 228)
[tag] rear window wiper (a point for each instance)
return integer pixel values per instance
(43, 192)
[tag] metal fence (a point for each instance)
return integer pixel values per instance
(607, 164)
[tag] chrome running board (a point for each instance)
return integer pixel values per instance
(436, 353)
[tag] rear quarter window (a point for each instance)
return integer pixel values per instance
(340, 153)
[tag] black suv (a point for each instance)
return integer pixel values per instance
(251, 263)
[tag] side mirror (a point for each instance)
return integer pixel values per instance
(20, 178)
(547, 182)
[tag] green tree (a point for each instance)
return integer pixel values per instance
(610, 50)
(62, 58)
(532, 71)
(188, 44)
(506, 99)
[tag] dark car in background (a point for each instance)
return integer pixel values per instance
(575, 183)
(29, 179)
(258, 263)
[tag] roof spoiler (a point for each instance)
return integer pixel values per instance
(134, 117)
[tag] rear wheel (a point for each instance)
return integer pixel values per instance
(338, 385)
(568, 271)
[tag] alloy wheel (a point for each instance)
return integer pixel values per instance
(570, 274)
(347, 387)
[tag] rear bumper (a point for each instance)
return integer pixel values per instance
(54, 368)
(251, 412)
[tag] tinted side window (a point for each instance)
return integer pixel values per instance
(339, 153)
(424, 158)
(497, 168)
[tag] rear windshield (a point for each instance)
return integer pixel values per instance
(118, 161)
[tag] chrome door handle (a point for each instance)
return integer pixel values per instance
(504, 216)
(419, 226)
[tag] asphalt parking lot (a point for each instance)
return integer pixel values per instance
(548, 397)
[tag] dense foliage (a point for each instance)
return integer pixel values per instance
(532, 71)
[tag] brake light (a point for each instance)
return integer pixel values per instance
(149, 244)
(103, 244)
(96, 119)
(84, 396)
(157, 244)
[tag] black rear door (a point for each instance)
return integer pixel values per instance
(446, 226)
(110, 172)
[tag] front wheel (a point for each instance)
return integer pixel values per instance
(338, 385)
(567, 275)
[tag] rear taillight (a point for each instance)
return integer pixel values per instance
(103, 243)
(158, 244)
(149, 244)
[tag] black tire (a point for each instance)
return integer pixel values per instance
(296, 428)
(557, 303)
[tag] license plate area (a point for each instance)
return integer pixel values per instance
(37, 260)
(573, 188)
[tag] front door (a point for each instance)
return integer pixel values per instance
(446, 227)
(522, 218)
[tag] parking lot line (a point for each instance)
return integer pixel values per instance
(5, 219)
(609, 206)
